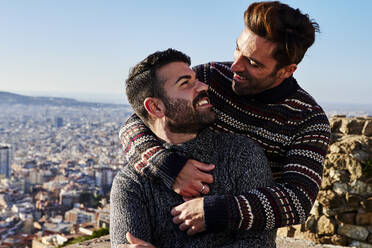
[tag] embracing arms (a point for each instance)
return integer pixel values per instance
(287, 202)
(143, 150)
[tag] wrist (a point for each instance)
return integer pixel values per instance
(215, 212)
(171, 167)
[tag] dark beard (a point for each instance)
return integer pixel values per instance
(184, 118)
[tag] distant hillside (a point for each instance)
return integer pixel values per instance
(11, 98)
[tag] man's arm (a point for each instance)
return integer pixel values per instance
(287, 202)
(143, 150)
(290, 199)
(128, 211)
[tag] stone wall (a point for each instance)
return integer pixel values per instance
(342, 214)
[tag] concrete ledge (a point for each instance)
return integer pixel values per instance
(102, 242)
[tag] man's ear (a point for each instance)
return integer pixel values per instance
(287, 71)
(154, 107)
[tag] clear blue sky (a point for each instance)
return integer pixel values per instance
(87, 46)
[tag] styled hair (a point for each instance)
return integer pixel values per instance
(142, 81)
(292, 31)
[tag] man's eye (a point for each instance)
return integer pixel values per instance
(252, 63)
(184, 83)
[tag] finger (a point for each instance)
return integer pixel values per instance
(177, 220)
(192, 192)
(204, 177)
(184, 227)
(134, 240)
(192, 231)
(205, 190)
(203, 166)
(176, 210)
(187, 198)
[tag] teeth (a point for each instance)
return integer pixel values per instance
(241, 77)
(202, 102)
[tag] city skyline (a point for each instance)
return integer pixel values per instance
(85, 49)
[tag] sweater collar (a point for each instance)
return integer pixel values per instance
(278, 93)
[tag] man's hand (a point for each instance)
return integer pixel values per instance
(135, 243)
(190, 216)
(192, 178)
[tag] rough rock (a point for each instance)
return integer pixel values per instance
(311, 224)
(329, 199)
(353, 200)
(364, 218)
(354, 168)
(340, 188)
(367, 129)
(367, 204)
(359, 244)
(335, 125)
(339, 240)
(353, 232)
(340, 176)
(358, 187)
(326, 226)
(351, 126)
(347, 218)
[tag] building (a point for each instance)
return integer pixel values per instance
(5, 160)
(104, 176)
(59, 122)
(80, 215)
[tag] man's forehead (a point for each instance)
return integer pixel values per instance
(255, 45)
(173, 71)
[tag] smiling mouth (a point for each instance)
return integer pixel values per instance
(203, 102)
(239, 77)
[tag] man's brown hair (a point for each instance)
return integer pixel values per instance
(292, 31)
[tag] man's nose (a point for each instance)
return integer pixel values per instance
(201, 86)
(238, 66)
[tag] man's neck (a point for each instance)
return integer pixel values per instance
(163, 133)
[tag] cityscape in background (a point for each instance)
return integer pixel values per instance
(58, 158)
(57, 163)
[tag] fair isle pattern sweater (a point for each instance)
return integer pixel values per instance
(286, 121)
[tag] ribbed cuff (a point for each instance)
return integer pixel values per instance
(215, 212)
(170, 168)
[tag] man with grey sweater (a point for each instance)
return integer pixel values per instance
(165, 94)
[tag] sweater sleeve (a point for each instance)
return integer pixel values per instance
(143, 151)
(289, 200)
(128, 212)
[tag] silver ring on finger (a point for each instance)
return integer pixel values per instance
(202, 189)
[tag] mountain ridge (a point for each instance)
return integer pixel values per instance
(13, 98)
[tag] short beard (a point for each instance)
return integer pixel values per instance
(184, 118)
(249, 90)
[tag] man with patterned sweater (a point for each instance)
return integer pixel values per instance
(257, 96)
(164, 91)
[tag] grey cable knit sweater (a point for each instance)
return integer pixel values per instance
(142, 207)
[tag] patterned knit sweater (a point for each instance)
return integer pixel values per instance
(286, 121)
(143, 206)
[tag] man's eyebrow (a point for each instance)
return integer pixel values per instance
(182, 77)
(250, 58)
